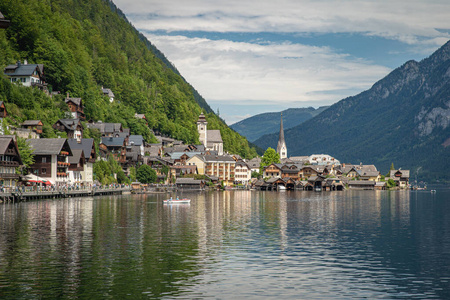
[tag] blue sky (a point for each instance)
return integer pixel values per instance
(249, 57)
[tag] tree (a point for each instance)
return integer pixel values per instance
(132, 174)
(26, 152)
(122, 178)
(145, 174)
(269, 157)
(392, 166)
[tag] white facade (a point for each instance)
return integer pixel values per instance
(323, 159)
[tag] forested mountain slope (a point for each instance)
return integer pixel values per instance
(404, 118)
(85, 45)
(256, 126)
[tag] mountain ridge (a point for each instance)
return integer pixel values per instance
(251, 127)
(402, 118)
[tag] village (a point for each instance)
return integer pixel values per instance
(69, 162)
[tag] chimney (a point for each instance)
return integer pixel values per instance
(25, 62)
(18, 63)
(67, 95)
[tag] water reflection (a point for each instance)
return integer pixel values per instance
(230, 244)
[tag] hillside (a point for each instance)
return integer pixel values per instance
(251, 127)
(85, 45)
(403, 118)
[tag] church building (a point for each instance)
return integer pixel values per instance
(211, 139)
(281, 147)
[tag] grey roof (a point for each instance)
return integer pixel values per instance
(113, 141)
(214, 136)
(85, 144)
(405, 173)
(188, 181)
(70, 124)
(108, 92)
(77, 101)
(31, 123)
(23, 70)
(361, 182)
(76, 156)
(106, 127)
(369, 173)
(177, 155)
(47, 146)
(217, 158)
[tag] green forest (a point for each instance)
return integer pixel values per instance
(86, 45)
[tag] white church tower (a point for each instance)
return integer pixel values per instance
(201, 128)
(281, 147)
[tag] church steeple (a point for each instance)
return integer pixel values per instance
(281, 147)
(202, 129)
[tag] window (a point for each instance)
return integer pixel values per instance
(44, 160)
(43, 171)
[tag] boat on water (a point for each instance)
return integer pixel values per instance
(175, 201)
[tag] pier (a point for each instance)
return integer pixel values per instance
(18, 194)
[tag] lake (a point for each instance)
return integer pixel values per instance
(229, 245)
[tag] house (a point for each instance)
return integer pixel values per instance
(107, 129)
(33, 125)
(273, 170)
(293, 171)
(108, 93)
(220, 166)
(243, 173)
(51, 159)
(322, 159)
(189, 184)
(198, 161)
(3, 22)
(401, 177)
(72, 127)
(27, 74)
(115, 146)
(76, 167)
(137, 141)
(3, 112)
(89, 155)
(254, 164)
(361, 184)
(76, 107)
(311, 170)
(9, 161)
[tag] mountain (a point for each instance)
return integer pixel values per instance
(251, 127)
(86, 45)
(404, 118)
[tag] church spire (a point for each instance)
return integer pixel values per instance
(281, 147)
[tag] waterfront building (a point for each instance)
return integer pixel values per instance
(9, 161)
(281, 146)
(89, 155)
(220, 166)
(51, 159)
(401, 177)
(243, 173)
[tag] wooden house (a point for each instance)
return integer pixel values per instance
(3, 112)
(9, 161)
(33, 125)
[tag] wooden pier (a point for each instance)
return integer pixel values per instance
(19, 195)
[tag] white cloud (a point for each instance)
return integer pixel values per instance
(403, 20)
(226, 70)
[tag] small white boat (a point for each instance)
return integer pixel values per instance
(174, 201)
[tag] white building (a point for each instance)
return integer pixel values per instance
(211, 139)
(243, 173)
(323, 160)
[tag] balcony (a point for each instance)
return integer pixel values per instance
(9, 163)
(64, 153)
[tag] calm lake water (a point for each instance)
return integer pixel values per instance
(229, 245)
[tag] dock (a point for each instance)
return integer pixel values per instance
(27, 195)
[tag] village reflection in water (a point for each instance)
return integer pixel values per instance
(227, 244)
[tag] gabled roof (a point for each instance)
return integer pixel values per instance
(108, 92)
(136, 140)
(106, 127)
(214, 136)
(113, 141)
(218, 158)
(404, 173)
(5, 143)
(70, 124)
(32, 123)
(76, 101)
(85, 144)
(23, 70)
(77, 154)
(48, 146)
